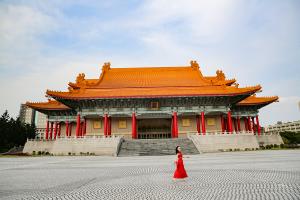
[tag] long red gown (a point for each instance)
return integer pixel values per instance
(180, 171)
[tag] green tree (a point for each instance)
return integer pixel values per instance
(13, 132)
(290, 137)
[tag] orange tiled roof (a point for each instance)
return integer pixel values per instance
(50, 105)
(152, 82)
(253, 100)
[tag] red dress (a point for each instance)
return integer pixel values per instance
(180, 171)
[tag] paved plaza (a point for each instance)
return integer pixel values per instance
(233, 175)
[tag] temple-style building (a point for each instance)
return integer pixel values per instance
(152, 102)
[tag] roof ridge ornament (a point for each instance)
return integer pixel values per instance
(220, 75)
(106, 67)
(194, 65)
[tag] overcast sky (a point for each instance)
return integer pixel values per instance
(45, 44)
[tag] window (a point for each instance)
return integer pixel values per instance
(211, 122)
(154, 105)
(122, 124)
(186, 122)
(97, 124)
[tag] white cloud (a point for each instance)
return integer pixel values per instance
(249, 41)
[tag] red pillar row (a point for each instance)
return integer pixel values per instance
(51, 131)
(109, 127)
(67, 128)
(175, 123)
(78, 125)
(47, 130)
(249, 124)
(133, 124)
(203, 123)
(253, 124)
(55, 130)
(258, 126)
(105, 125)
(229, 122)
(70, 129)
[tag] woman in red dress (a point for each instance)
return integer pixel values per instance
(180, 171)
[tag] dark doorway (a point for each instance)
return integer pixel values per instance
(154, 128)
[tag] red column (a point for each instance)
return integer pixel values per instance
(133, 124)
(47, 130)
(203, 123)
(258, 126)
(59, 129)
(222, 124)
(109, 126)
(239, 123)
(253, 124)
(67, 128)
(51, 131)
(55, 130)
(198, 124)
(172, 127)
(175, 124)
(229, 122)
(105, 125)
(78, 125)
(249, 124)
(70, 129)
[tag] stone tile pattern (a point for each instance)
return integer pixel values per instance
(232, 175)
(154, 147)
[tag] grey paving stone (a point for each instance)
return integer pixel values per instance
(231, 175)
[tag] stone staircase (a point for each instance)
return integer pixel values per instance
(156, 147)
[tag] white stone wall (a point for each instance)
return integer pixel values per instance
(269, 139)
(214, 143)
(64, 146)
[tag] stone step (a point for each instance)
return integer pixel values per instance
(148, 147)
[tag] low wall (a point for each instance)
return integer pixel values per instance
(269, 139)
(214, 143)
(64, 146)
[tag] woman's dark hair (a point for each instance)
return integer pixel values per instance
(176, 149)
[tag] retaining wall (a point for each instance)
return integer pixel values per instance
(64, 146)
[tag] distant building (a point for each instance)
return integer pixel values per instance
(40, 123)
(30, 116)
(26, 114)
(281, 127)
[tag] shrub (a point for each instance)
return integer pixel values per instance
(282, 146)
(230, 149)
(275, 145)
(69, 153)
(290, 137)
(39, 153)
(33, 153)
